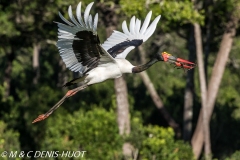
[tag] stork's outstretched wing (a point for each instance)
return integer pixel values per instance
(78, 42)
(119, 44)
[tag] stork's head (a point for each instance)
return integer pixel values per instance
(178, 62)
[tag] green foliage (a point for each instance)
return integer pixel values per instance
(7, 27)
(93, 131)
(87, 121)
(154, 142)
(96, 132)
(174, 13)
(8, 140)
(234, 156)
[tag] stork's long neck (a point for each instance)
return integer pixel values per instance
(143, 67)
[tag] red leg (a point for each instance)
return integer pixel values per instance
(70, 93)
(67, 95)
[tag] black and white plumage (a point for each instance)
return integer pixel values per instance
(82, 52)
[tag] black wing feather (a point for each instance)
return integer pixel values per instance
(86, 47)
(119, 48)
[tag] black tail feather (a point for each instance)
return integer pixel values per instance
(75, 81)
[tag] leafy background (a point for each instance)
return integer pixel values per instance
(87, 121)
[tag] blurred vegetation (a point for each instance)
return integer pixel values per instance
(8, 139)
(154, 142)
(87, 121)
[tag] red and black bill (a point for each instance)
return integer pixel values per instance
(178, 62)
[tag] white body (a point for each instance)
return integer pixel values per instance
(108, 71)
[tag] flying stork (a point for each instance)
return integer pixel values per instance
(81, 51)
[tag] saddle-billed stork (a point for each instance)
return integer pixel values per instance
(81, 51)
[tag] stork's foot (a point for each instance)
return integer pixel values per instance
(40, 118)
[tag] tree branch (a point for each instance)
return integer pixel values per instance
(203, 87)
(155, 97)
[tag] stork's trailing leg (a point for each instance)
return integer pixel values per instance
(67, 95)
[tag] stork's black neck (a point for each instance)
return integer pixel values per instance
(143, 67)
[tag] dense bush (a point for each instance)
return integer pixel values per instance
(96, 132)
(8, 141)
(154, 142)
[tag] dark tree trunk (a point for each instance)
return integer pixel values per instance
(208, 35)
(189, 91)
(7, 73)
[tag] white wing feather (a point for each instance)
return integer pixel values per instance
(132, 25)
(67, 34)
(86, 14)
(66, 21)
(79, 16)
(72, 17)
(124, 28)
(152, 27)
(138, 25)
(135, 32)
(95, 23)
(146, 22)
